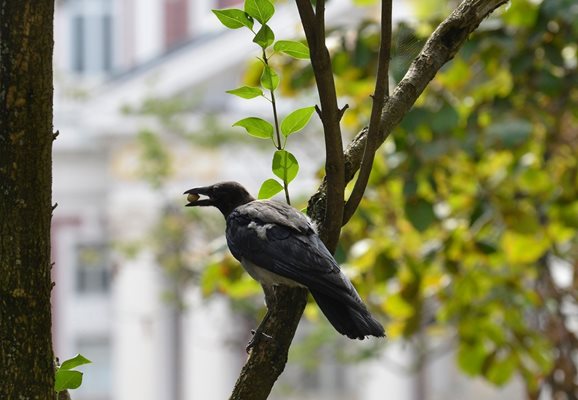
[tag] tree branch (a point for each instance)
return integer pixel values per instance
(314, 27)
(267, 359)
(439, 49)
(380, 96)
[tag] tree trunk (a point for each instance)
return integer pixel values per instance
(26, 42)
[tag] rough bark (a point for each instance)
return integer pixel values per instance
(26, 42)
(268, 359)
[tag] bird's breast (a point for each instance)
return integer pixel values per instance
(266, 277)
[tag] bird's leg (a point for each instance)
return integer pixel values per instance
(258, 333)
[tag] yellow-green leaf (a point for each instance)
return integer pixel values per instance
(296, 120)
(520, 248)
(256, 127)
(233, 18)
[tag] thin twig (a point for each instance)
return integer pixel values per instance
(380, 96)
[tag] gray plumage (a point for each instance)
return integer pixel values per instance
(278, 245)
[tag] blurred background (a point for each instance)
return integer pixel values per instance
(466, 245)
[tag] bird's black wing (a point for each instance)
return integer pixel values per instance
(280, 239)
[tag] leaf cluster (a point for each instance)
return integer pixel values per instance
(66, 377)
(284, 164)
(473, 203)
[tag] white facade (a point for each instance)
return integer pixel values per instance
(108, 304)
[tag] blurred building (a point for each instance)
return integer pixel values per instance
(111, 56)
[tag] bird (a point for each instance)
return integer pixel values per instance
(278, 245)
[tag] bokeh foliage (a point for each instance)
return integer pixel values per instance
(472, 211)
(469, 227)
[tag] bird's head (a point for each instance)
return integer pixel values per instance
(226, 196)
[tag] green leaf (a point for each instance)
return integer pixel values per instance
(211, 278)
(296, 120)
(520, 248)
(269, 188)
(65, 379)
(234, 18)
(261, 10)
(293, 49)
(285, 165)
(471, 357)
(445, 120)
(264, 37)
(500, 371)
(246, 92)
(397, 307)
(74, 362)
(510, 132)
(420, 213)
(269, 78)
(541, 353)
(256, 127)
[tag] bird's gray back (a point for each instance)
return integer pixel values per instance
(274, 212)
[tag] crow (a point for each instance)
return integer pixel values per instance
(278, 245)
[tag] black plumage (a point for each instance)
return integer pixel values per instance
(278, 245)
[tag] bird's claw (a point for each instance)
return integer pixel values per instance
(257, 336)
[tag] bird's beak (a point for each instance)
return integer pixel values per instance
(193, 196)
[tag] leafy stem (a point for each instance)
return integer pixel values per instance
(284, 164)
(271, 86)
(274, 106)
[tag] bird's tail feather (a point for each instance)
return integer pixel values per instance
(353, 321)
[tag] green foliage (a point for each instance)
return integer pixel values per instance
(269, 78)
(265, 37)
(463, 222)
(296, 120)
(292, 48)
(472, 202)
(234, 19)
(68, 378)
(261, 10)
(155, 160)
(246, 92)
(256, 127)
(269, 188)
(284, 165)
(472, 199)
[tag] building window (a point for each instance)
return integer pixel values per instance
(228, 3)
(176, 29)
(78, 43)
(92, 269)
(92, 36)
